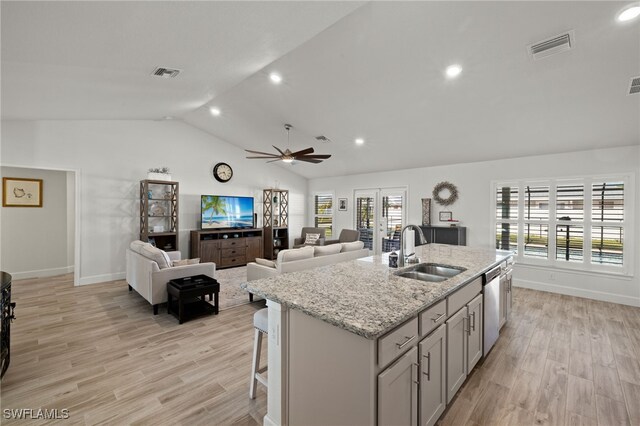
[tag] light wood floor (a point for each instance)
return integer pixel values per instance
(560, 360)
(98, 351)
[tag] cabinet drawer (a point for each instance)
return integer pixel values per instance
(397, 342)
(461, 297)
(232, 261)
(237, 242)
(234, 252)
(433, 317)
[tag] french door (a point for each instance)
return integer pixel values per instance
(380, 215)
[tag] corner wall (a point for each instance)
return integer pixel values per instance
(474, 209)
(111, 157)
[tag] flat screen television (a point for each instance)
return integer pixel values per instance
(225, 212)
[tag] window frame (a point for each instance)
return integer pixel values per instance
(587, 223)
(333, 209)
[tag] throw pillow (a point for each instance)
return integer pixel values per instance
(137, 245)
(311, 239)
(356, 245)
(327, 250)
(185, 262)
(265, 262)
(295, 254)
(157, 255)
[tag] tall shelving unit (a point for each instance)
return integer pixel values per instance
(159, 208)
(275, 215)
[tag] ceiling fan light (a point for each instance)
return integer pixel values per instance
(287, 160)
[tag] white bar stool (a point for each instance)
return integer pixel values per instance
(261, 324)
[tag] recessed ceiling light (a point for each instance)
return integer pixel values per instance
(214, 111)
(275, 78)
(359, 141)
(453, 71)
(629, 13)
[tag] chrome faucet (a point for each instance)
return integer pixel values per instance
(423, 240)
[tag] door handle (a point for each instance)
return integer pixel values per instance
(402, 345)
(428, 372)
(438, 318)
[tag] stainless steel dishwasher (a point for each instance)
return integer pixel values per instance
(491, 291)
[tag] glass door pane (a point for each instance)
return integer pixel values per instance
(365, 219)
(392, 220)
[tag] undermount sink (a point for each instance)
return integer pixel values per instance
(430, 272)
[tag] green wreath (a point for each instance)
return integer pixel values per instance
(453, 193)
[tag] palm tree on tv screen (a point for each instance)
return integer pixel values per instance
(216, 204)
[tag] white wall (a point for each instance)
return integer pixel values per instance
(474, 211)
(111, 157)
(35, 239)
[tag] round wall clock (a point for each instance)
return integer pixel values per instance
(222, 172)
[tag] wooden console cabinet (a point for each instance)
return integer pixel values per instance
(227, 248)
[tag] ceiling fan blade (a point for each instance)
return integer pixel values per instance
(308, 160)
(302, 152)
(278, 149)
(316, 156)
(262, 153)
(273, 161)
(266, 158)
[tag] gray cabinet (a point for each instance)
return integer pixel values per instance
(474, 331)
(456, 352)
(464, 344)
(433, 388)
(398, 391)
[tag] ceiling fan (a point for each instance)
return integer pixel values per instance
(287, 156)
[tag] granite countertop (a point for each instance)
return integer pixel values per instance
(364, 296)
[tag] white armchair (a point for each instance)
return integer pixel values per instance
(145, 276)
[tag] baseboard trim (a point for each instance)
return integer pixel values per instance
(41, 273)
(95, 279)
(579, 292)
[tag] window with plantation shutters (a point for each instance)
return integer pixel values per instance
(323, 213)
(576, 223)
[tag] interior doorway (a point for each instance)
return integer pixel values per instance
(380, 215)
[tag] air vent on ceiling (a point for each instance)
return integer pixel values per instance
(635, 86)
(551, 46)
(323, 138)
(165, 72)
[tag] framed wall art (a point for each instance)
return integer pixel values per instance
(446, 216)
(342, 204)
(21, 192)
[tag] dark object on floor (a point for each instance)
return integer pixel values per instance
(190, 293)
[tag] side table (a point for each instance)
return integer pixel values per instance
(190, 293)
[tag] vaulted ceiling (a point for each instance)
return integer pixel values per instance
(350, 70)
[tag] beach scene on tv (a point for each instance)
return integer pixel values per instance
(219, 212)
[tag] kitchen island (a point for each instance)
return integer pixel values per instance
(343, 339)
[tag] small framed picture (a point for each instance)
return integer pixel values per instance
(21, 192)
(342, 204)
(446, 216)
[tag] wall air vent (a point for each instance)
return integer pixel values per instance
(551, 46)
(635, 86)
(323, 138)
(165, 72)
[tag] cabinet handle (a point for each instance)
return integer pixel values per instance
(439, 317)
(473, 326)
(467, 330)
(402, 345)
(417, 379)
(428, 372)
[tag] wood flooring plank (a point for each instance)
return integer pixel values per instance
(607, 383)
(628, 369)
(581, 397)
(524, 392)
(632, 399)
(580, 365)
(611, 412)
(550, 409)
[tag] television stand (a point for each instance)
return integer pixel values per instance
(226, 247)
